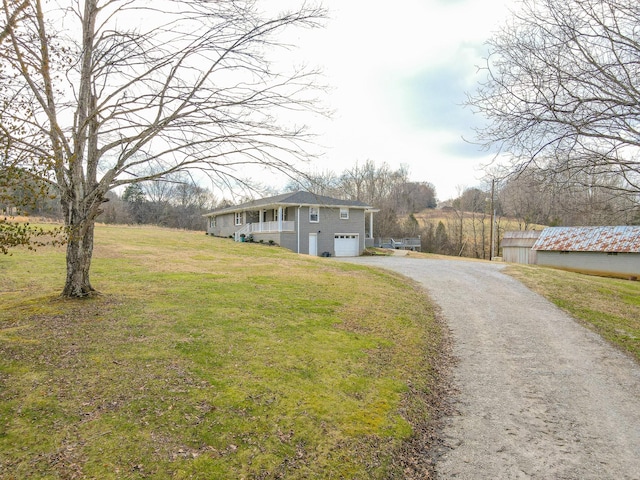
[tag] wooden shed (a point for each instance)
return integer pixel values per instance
(517, 246)
(611, 251)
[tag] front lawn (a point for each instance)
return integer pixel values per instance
(210, 359)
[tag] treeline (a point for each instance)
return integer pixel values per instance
(177, 202)
(460, 226)
(569, 199)
(174, 203)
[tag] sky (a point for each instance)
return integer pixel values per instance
(398, 76)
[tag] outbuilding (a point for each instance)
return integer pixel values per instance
(611, 251)
(517, 246)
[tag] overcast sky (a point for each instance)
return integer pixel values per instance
(399, 73)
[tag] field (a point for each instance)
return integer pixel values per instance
(205, 358)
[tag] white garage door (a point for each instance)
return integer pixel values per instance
(346, 245)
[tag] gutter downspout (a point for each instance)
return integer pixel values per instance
(298, 226)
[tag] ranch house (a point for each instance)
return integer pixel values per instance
(300, 221)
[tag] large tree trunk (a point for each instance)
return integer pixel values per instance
(80, 224)
(79, 253)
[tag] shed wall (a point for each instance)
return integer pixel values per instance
(620, 264)
(522, 255)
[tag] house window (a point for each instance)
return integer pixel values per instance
(344, 214)
(212, 222)
(238, 218)
(314, 214)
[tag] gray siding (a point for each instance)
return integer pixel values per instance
(289, 240)
(329, 224)
(621, 264)
(225, 225)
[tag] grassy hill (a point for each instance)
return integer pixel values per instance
(210, 359)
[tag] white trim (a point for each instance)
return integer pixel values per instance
(317, 209)
(298, 227)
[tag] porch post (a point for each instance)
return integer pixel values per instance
(371, 225)
(261, 214)
(279, 219)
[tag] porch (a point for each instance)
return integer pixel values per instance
(279, 226)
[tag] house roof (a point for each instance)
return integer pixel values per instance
(590, 239)
(292, 199)
(520, 238)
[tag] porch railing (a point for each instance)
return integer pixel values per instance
(273, 227)
(265, 227)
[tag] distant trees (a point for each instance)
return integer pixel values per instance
(536, 198)
(175, 203)
(106, 93)
(562, 93)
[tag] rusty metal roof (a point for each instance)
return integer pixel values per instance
(590, 239)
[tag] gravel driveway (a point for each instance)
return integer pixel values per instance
(539, 396)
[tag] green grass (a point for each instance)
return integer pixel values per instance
(609, 306)
(209, 359)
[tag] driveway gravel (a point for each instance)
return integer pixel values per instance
(539, 396)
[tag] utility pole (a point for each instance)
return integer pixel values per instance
(493, 215)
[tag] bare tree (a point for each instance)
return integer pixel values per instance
(321, 183)
(106, 93)
(562, 92)
(535, 197)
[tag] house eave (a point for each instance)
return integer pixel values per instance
(253, 208)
